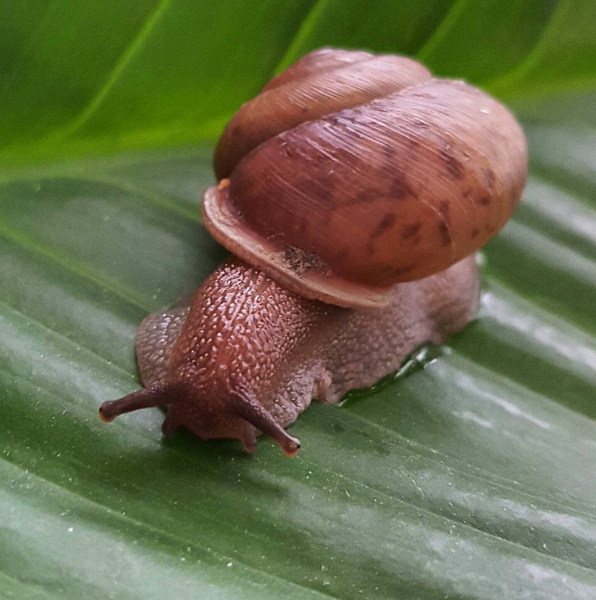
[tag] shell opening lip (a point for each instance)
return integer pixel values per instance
(229, 230)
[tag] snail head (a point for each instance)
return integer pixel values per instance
(232, 414)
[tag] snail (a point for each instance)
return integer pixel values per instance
(353, 193)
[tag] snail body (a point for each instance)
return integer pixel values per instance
(353, 222)
(247, 355)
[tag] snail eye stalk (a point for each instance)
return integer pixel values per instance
(249, 409)
(145, 398)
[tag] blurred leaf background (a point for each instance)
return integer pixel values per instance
(469, 476)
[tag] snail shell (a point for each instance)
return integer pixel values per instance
(350, 173)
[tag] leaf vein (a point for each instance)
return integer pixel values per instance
(126, 57)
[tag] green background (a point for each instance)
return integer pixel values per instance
(470, 476)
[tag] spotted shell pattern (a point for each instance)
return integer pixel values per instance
(351, 172)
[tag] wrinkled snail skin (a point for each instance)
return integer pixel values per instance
(248, 355)
(355, 190)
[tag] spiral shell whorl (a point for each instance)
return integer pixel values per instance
(346, 202)
(320, 84)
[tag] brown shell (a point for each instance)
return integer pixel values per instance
(340, 204)
(321, 83)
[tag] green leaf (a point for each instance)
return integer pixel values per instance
(470, 475)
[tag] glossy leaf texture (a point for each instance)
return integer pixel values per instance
(470, 475)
